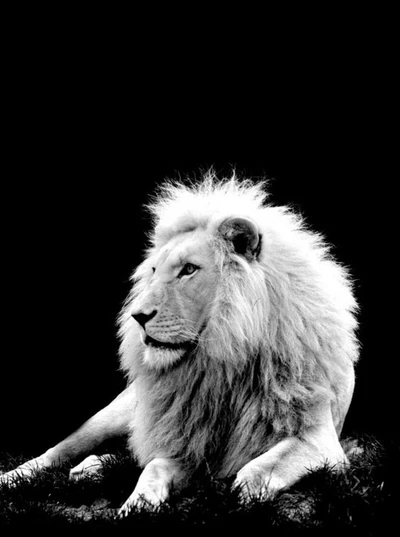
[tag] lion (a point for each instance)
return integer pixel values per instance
(238, 340)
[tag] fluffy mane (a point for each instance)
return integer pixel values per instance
(280, 337)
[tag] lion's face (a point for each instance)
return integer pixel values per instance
(174, 308)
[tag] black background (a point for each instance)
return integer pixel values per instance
(92, 127)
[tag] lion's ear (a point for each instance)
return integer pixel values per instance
(243, 235)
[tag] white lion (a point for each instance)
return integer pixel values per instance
(238, 341)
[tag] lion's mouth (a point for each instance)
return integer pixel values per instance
(165, 345)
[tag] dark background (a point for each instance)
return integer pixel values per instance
(90, 130)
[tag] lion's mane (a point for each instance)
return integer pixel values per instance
(279, 340)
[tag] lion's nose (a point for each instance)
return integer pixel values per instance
(143, 318)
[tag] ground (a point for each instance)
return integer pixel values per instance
(362, 500)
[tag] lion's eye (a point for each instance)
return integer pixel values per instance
(188, 269)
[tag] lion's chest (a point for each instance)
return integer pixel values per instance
(199, 425)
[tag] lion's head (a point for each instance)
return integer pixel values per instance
(175, 306)
(238, 318)
(182, 282)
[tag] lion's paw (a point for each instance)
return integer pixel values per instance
(26, 470)
(255, 484)
(142, 500)
(89, 467)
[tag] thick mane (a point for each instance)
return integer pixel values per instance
(280, 337)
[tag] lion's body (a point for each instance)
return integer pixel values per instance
(278, 338)
(240, 353)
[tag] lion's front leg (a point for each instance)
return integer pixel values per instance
(154, 484)
(111, 421)
(289, 460)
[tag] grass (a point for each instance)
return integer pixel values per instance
(363, 500)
